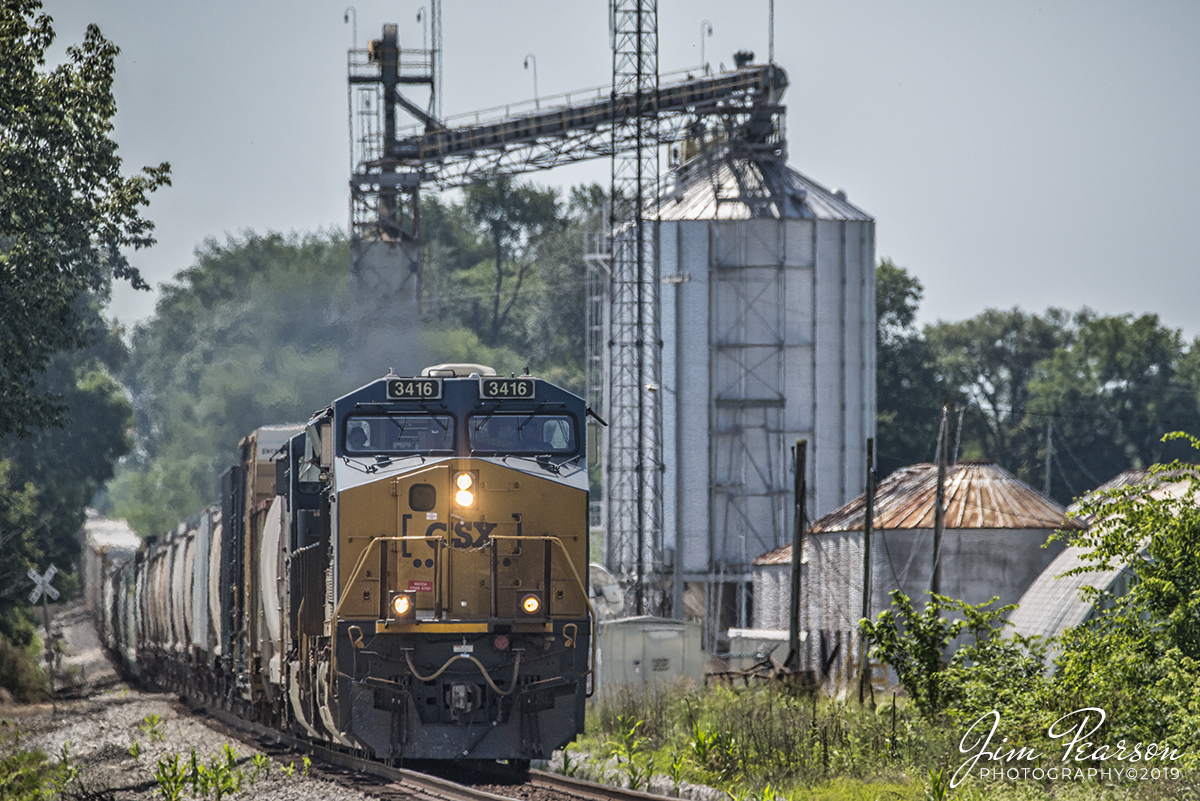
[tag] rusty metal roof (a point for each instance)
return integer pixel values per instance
(779, 556)
(979, 495)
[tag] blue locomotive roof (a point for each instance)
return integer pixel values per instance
(459, 398)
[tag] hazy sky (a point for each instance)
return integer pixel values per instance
(1012, 153)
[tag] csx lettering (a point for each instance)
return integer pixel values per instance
(404, 533)
(462, 533)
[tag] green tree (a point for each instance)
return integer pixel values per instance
(1120, 386)
(982, 671)
(1138, 656)
(71, 462)
(252, 334)
(908, 391)
(514, 218)
(988, 362)
(537, 316)
(65, 209)
(47, 479)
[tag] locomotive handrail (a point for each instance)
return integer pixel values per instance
(578, 580)
(358, 566)
(362, 558)
(566, 555)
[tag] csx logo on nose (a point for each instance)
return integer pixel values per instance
(462, 532)
(466, 533)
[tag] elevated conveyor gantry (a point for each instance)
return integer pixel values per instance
(441, 158)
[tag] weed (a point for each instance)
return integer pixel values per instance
(639, 775)
(194, 772)
(262, 767)
(171, 776)
(569, 769)
(135, 750)
(64, 773)
(675, 770)
(289, 769)
(150, 727)
(307, 766)
(628, 743)
(939, 785)
(23, 775)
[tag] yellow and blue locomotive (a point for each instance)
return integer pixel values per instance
(406, 574)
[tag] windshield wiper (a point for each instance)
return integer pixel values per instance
(486, 417)
(400, 426)
(533, 414)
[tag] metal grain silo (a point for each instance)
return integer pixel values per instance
(995, 526)
(768, 332)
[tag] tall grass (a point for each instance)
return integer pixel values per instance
(775, 736)
(770, 742)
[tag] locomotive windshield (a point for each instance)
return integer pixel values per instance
(518, 433)
(399, 434)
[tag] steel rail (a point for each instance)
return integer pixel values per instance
(415, 781)
(589, 791)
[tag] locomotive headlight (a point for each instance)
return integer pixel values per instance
(465, 482)
(402, 605)
(531, 603)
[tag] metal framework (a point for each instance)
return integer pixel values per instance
(634, 448)
(598, 258)
(629, 123)
(589, 124)
(376, 76)
(747, 373)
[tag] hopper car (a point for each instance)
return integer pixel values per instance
(404, 575)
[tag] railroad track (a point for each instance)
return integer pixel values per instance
(589, 791)
(403, 784)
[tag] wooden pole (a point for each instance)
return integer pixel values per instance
(939, 512)
(1049, 453)
(799, 460)
(868, 530)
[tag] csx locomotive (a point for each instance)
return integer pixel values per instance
(406, 574)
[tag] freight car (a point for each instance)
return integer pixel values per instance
(406, 574)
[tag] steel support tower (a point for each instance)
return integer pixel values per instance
(634, 447)
(385, 227)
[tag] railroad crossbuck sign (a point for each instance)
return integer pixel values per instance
(43, 584)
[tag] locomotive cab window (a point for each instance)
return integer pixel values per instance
(526, 433)
(399, 434)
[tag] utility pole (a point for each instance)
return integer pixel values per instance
(1049, 453)
(939, 512)
(800, 490)
(868, 530)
